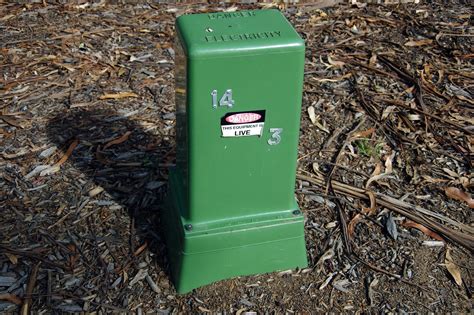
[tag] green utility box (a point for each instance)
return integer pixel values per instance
(231, 208)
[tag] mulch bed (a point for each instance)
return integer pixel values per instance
(87, 128)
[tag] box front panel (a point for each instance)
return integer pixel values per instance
(243, 158)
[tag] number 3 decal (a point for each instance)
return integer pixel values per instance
(276, 136)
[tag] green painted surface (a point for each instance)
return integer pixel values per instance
(199, 258)
(236, 192)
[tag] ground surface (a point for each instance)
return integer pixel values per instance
(87, 134)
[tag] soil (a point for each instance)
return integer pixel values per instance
(87, 133)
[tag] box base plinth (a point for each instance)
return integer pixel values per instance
(207, 252)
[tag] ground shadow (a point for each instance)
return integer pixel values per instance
(129, 163)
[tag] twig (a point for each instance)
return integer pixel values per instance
(49, 288)
(32, 256)
(414, 213)
(405, 76)
(400, 104)
(341, 150)
(25, 308)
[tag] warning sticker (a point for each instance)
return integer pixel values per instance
(243, 124)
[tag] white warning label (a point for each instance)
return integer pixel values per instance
(242, 130)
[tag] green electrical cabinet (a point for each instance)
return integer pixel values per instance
(231, 208)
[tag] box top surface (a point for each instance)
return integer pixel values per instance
(223, 34)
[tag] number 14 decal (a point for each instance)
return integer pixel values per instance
(226, 99)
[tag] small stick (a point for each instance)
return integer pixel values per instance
(50, 286)
(413, 212)
(25, 308)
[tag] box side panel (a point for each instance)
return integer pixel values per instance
(243, 176)
(181, 101)
(247, 260)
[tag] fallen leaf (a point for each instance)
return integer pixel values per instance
(453, 268)
(387, 111)
(341, 285)
(432, 180)
(363, 133)
(458, 194)
(376, 178)
(13, 258)
(50, 170)
(203, 309)
(326, 130)
(95, 191)
(358, 217)
(141, 274)
(10, 298)
(391, 227)
(417, 43)
(450, 173)
(74, 255)
(372, 209)
(373, 60)
(117, 95)
(314, 119)
(68, 153)
(389, 163)
(326, 282)
(48, 152)
(13, 121)
(335, 63)
(414, 117)
(119, 140)
(352, 224)
(38, 169)
(312, 114)
(140, 249)
(411, 224)
(334, 79)
(433, 243)
(377, 169)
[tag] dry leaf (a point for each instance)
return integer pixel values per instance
(50, 170)
(458, 194)
(117, 95)
(119, 140)
(140, 249)
(377, 169)
(432, 180)
(367, 211)
(312, 114)
(376, 178)
(450, 173)
(13, 258)
(68, 153)
(326, 130)
(371, 210)
(389, 163)
(414, 117)
(95, 191)
(335, 63)
(416, 43)
(425, 230)
(387, 111)
(336, 79)
(10, 298)
(362, 134)
(453, 268)
(314, 119)
(352, 224)
(373, 60)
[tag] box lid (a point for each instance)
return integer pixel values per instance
(224, 34)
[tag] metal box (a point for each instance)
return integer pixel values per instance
(231, 208)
